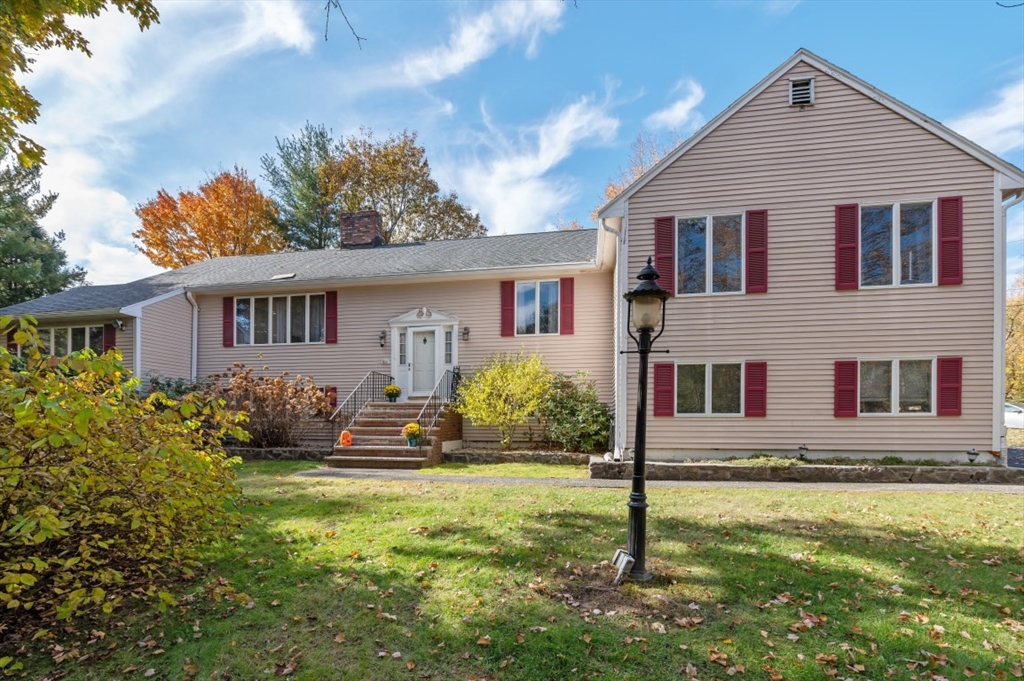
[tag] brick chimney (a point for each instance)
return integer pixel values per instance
(360, 230)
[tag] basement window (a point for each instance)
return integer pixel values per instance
(801, 91)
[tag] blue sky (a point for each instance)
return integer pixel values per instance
(526, 109)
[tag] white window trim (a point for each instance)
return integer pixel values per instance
(895, 244)
(707, 389)
(894, 397)
(270, 319)
(709, 259)
(536, 306)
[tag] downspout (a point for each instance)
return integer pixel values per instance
(195, 332)
(137, 333)
(1000, 348)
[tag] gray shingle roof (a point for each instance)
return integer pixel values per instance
(431, 257)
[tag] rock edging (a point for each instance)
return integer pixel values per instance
(496, 456)
(279, 453)
(976, 475)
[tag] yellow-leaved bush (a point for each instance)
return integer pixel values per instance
(104, 493)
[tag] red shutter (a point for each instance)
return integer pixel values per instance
(508, 308)
(755, 389)
(757, 251)
(228, 322)
(109, 337)
(567, 303)
(950, 375)
(665, 252)
(331, 393)
(665, 389)
(331, 318)
(951, 240)
(12, 347)
(847, 228)
(846, 389)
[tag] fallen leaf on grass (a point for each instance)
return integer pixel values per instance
(484, 641)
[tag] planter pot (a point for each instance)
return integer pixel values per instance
(413, 441)
(392, 398)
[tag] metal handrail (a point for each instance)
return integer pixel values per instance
(370, 388)
(443, 393)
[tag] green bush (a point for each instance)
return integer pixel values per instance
(575, 418)
(104, 493)
(175, 388)
(504, 391)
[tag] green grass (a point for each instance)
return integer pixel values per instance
(352, 579)
(509, 470)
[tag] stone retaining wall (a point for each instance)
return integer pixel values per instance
(497, 456)
(983, 475)
(281, 454)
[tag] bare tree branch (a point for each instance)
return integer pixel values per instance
(336, 4)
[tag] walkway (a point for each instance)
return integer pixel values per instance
(412, 476)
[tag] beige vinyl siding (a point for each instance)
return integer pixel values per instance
(167, 338)
(799, 164)
(365, 311)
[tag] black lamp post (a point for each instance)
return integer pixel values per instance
(646, 313)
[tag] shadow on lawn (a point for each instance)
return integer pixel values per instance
(453, 582)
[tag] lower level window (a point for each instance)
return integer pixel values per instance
(901, 386)
(709, 388)
(65, 340)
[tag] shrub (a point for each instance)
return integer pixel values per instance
(575, 418)
(504, 391)
(276, 406)
(175, 388)
(104, 493)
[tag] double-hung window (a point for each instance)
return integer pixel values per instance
(278, 320)
(897, 244)
(712, 388)
(709, 254)
(901, 386)
(537, 307)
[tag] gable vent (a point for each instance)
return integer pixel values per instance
(801, 91)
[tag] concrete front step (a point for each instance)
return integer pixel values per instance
(381, 450)
(403, 462)
(376, 431)
(379, 422)
(385, 441)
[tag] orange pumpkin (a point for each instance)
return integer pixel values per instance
(346, 439)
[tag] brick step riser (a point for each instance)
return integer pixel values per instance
(397, 424)
(375, 431)
(363, 462)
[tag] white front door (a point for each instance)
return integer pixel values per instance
(423, 358)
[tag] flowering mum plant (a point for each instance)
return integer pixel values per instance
(412, 430)
(392, 390)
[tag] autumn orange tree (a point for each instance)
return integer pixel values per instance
(226, 216)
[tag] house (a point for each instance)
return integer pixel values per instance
(409, 310)
(835, 261)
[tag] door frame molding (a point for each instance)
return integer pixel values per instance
(419, 320)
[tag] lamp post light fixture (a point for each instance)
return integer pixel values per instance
(646, 313)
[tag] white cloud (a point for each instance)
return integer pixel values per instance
(515, 189)
(477, 37)
(998, 127)
(94, 110)
(681, 114)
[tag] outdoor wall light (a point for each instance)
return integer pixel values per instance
(382, 337)
(972, 455)
(464, 334)
(646, 309)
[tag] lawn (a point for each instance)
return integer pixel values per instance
(355, 579)
(509, 470)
